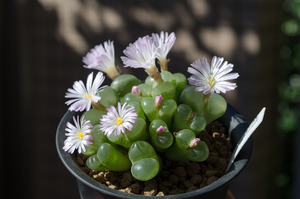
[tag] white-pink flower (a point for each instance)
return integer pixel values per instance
(140, 54)
(212, 78)
(117, 121)
(165, 42)
(78, 135)
(102, 58)
(85, 95)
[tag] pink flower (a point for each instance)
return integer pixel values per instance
(140, 54)
(103, 59)
(165, 42)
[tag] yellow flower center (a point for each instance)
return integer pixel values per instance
(88, 96)
(80, 134)
(119, 121)
(211, 81)
(111, 70)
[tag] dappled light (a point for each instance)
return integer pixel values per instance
(200, 8)
(97, 17)
(251, 42)
(187, 46)
(222, 40)
(149, 17)
(47, 40)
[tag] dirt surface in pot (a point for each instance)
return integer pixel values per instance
(175, 177)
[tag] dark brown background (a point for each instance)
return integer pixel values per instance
(42, 45)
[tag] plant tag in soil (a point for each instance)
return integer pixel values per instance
(256, 122)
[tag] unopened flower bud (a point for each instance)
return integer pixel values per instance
(161, 130)
(191, 116)
(194, 142)
(158, 101)
(136, 90)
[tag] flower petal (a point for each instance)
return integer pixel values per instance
(78, 135)
(212, 79)
(118, 120)
(85, 95)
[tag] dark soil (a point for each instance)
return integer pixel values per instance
(175, 177)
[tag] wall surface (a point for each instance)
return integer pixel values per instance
(45, 40)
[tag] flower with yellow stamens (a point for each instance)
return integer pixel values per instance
(212, 78)
(85, 96)
(78, 136)
(118, 120)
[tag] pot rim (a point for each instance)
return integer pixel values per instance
(70, 163)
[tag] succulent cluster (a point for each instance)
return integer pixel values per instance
(134, 123)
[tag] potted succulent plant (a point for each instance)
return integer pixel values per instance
(136, 126)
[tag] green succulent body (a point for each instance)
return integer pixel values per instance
(195, 113)
(123, 84)
(153, 131)
(109, 97)
(165, 112)
(160, 141)
(180, 150)
(138, 132)
(93, 115)
(146, 164)
(108, 157)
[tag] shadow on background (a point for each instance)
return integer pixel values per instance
(42, 45)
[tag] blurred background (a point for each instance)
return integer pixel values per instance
(41, 50)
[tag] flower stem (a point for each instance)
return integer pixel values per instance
(163, 64)
(205, 98)
(155, 74)
(113, 72)
(98, 105)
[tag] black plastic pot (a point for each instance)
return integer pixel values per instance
(91, 189)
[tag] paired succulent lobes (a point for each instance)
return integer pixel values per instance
(144, 142)
(195, 113)
(108, 157)
(146, 164)
(187, 147)
(105, 155)
(161, 137)
(157, 117)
